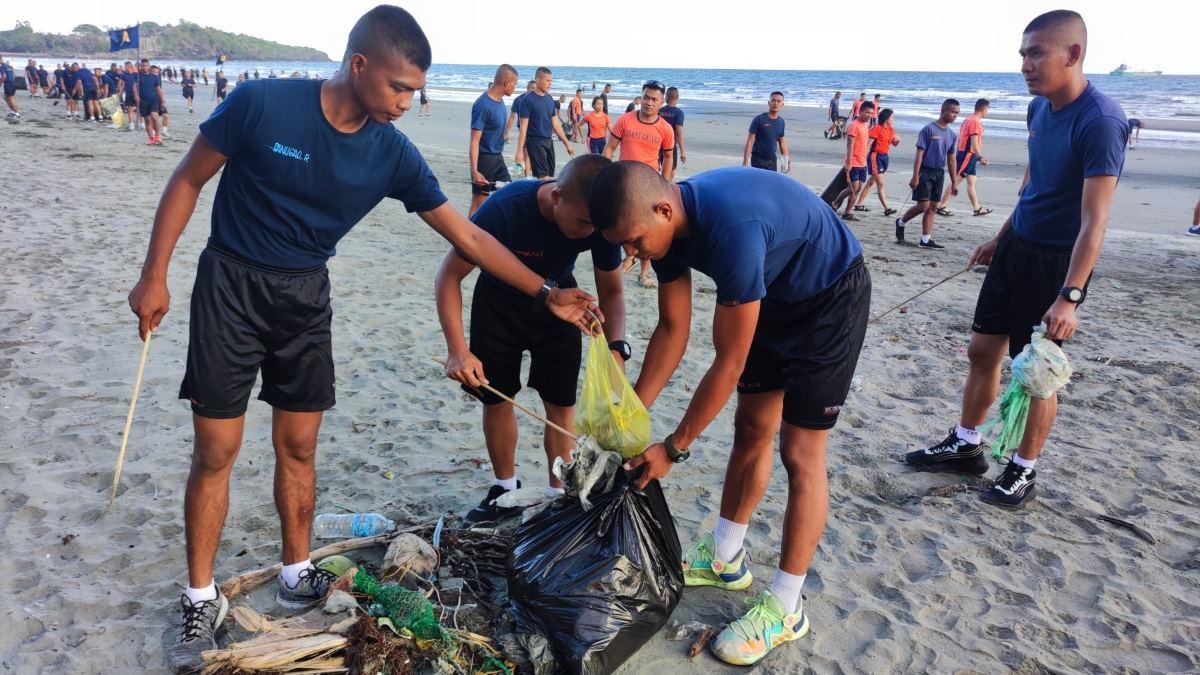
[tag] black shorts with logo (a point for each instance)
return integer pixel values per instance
(929, 185)
(493, 168)
(504, 325)
(541, 156)
(809, 349)
(247, 317)
(1021, 283)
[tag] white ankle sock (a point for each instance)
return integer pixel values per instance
(507, 483)
(925, 238)
(195, 595)
(1021, 461)
(729, 537)
(291, 573)
(786, 588)
(969, 435)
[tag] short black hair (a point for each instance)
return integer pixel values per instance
(390, 27)
(575, 180)
(777, 93)
(1056, 18)
(982, 103)
(867, 106)
(503, 70)
(542, 70)
(597, 99)
(949, 102)
(672, 91)
(618, 189)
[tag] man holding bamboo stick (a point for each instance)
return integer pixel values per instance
(298, 175)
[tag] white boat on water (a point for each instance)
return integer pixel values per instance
(1126, 70)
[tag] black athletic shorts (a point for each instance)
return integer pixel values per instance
(130, 101)
(662, 156)
(929, 185)
(493, 168)
(245, 318)
(148, 106)
(188, 92)
(1021, 283)
(162, 107)
(541, 156)
(10, 88)
(810, 349)
(91, 95)
(768, 163)
(504, 325)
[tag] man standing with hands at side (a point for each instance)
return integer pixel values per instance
(538, 122)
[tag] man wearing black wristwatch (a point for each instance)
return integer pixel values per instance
(1042, 258)
(546, 225)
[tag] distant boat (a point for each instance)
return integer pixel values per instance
(1126, 70)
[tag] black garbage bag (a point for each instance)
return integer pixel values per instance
(597, 583)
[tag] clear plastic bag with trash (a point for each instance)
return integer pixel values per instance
(608, 409)
(1038, 371)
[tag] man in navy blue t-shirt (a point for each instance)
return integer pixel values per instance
(514, 118)
(546, 225)
(488, 135)
(147, 91)
(674, 115)
(304, 161)
(128, 88)
(1040, 262)
(85, 90)
(766, 134)
(936, 145)
(538, 124)
(792, 298)
(8, 81)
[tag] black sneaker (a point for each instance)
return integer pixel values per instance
(930, 244)
(951, 455)
(312, 586)
(487, 511)
(900, 230)
(197, 633)
(1013, 488)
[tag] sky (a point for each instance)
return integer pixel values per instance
(850, 35)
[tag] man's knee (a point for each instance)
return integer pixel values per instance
(754, 432)
(985, 352)
(215, 456)
(296, 446)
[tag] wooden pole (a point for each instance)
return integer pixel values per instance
(137, 385)
(520, 407)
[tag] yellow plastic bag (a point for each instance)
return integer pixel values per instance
(609, 410)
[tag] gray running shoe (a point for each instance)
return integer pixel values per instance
(313, 585)
(197, 633)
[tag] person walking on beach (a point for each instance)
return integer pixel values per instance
(485, 152)
(148, 92)
(576, 113)
(968, 157)
(673, 114)
(219, 90)
(163, 118)
(862, 98)
(43, 80)
(883, 138)
(935, 157)
(424, 109)
(858, 143)
(875, 111)
(128, 88)
(546, 225)
(597, 124)
(792, 303)
(643, 136)
(766, 133)
(261, 297)
(604, 96)
(8, 81)
(85, 89)
(189, 89)
(31, 78)
(1040, 262)
(538, 123)
(513, 116)
(634, 104)
(834, 103)
(1194, 230)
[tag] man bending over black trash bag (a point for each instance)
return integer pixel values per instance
(793, 297)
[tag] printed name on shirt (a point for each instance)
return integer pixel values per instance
(294, 153)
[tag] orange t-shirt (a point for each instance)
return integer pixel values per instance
(640, 142)
(855, 108)
(858, 149)
(882, 135)
(875, 112)
(597, 122)
(970, 127)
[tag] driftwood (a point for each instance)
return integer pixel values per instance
(701, 642)
(248, 581)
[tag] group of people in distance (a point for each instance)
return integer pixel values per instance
(791, 303)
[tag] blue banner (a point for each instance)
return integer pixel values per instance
(123, 38)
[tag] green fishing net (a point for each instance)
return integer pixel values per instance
(1038, 371)
(407, 609)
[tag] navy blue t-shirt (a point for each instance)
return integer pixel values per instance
(767, 133)
(147, 85)
(672, 114)
(938, 143)
(759, 235)
(85, 76)
(109, 82)
(129, 79)
(1086, 138)
(517, 102)
(488, 116)
(293, 185)
(511, 215)
(540, 110)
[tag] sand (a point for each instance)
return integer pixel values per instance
(914, 573)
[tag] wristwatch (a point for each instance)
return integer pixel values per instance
(677, 455)
(621, 347)
(547, 286)
(1072, 294)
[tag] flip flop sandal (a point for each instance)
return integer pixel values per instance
(943, 212)
(982, 211)
(861, 208)
(890, 212)
(849, 216)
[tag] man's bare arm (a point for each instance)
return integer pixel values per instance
(669, 340)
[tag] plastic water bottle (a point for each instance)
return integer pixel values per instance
(347, 525)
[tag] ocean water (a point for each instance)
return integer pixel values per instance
(915, 96)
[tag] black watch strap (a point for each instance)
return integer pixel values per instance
(544, 292)
(621, 347)
(676, 454)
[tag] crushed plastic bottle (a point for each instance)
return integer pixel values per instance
(348, 525)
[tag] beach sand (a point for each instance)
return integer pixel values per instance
(914, 573)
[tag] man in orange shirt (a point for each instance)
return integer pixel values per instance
(875, 113)
(970, 154)
(641, 135)
(858, 141)
(858, 104)
(597, 123)
(576, 114)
